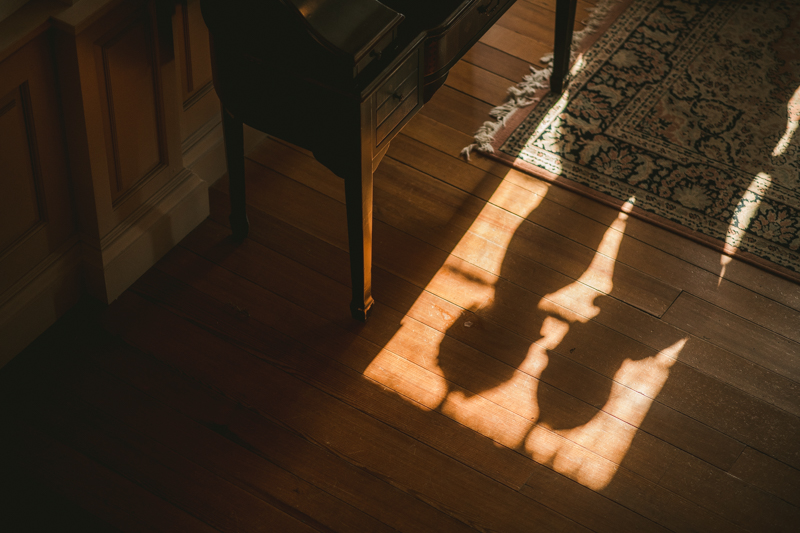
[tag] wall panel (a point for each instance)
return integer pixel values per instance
(193, 56)
(20, 204)
(121, 93)
(36, 211)
(100, 102)
(129, 87)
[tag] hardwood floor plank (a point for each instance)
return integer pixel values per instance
(736, 334)
(728, 496)
(764, 472)
(586, 357)
(121, 503)
(742, 430)
(324, 419)
(482, 84)
(665, 507)
(526, 48)
(742, 417)
(450, 141)
(142, 460)
(449, 348)
(208, 447)
(460, 111)
(278, 445)
(40, 451)
(497, 62)
(593, 510)
(531, 20)
(550, 5)
(28, 504)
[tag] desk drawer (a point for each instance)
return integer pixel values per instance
(405, 108)
(409, 68)
(406, 88)
(447, 43)
(396, 98)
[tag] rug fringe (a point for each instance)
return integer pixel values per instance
(522, 95)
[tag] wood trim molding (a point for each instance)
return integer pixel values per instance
(145, 236)
(83, 14)
(37, 300)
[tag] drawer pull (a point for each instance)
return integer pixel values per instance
(487, 9)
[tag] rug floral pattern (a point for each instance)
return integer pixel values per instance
(688, 109)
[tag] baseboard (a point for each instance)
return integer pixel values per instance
(35, 302)
(145, 237)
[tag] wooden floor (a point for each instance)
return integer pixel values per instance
(535, 361)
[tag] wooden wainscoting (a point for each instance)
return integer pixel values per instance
(109, 137)
(119, 87)
(38, 232)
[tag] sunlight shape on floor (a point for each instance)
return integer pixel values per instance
(792, 120)
(509, 412)
(748, 208)
(551, 117)
(598, 275)
(759, 187)
(590, 454)
(470, 287)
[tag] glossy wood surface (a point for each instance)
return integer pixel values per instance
(534, 362)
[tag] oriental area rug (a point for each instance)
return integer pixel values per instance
(689, 111)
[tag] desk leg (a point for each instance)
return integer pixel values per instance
(234, 154)
(565, 20)
(358, 197)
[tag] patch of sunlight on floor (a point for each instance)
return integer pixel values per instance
(751, 199)
(599, 275)
(590, 454)
(747, 209)
(793, 118)
(509, 412)
(473, 290)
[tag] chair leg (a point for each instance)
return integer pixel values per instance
(565, 19)
(234, 154)
(358, 197)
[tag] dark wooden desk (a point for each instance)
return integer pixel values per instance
(339, 78)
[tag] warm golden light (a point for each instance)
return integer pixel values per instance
(747, 209)
(792, 120)
(590, 453)
(508, 411)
